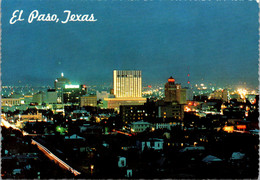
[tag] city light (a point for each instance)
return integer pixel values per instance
(187, 109)
(241, 126)
(60, 129)
(242, 93)
(128, 107)
(70, 86)
(229, 129)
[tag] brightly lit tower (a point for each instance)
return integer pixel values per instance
(59, 85)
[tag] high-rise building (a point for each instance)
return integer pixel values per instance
(72, 93)
(189, 94)
(127, 83)
(59, 85)
(51, 96)
(171, 89)
(39, 97)
(174, 93)
(127, 89)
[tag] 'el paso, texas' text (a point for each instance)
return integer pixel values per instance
(36, 16)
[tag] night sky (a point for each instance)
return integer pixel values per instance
(216, 42)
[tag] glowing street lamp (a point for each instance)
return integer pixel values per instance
(91, 168)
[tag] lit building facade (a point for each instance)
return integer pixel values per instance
(171, 111)
(10, 101)
(89, 100)
(115, 103)
(219, 94)
(101, 95)
(174, 93)
(131, 113)
(72, 93)
(140, 126)
(127, 83)
(59, 85)
(26, 117)
(146, 112)
(127, 89)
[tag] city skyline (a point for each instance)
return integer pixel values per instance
(109, 84)
(218, 46)
(130, 89)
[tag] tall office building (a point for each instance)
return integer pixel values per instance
(174, 93)
(127, 83)
(171, 90)
(174, 101)
(59, 85)
(72, 93)
(39, 98)
(51, 96)
(127, 89)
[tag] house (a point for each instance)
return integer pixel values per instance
(121, 162)
(151, 143)
(91, 129)
(129, 173)
(140, 126)
(238, 158)
(162, 126)
(196, 148)
(17, 171)
(74, 137)
(211, 159)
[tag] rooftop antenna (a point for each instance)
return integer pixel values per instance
(188, 77)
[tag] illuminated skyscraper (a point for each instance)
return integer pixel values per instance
(127, 83)
(127, 89)
(174, 93)
(59, 85)
(72, 93)
(171, 90)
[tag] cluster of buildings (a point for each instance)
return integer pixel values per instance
(121, 134)
(127, 90)
(126, 98)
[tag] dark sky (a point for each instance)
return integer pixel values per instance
(216, 41)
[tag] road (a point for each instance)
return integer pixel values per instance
(7, 125)
(51, 156)
(121, 132)
(47, 152)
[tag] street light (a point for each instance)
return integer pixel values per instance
(91, 168)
